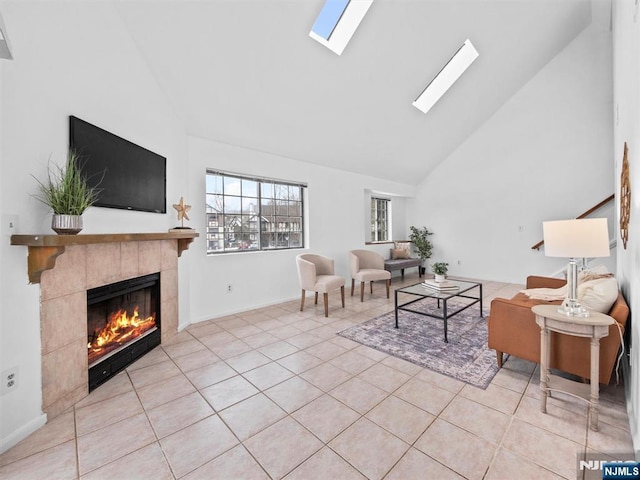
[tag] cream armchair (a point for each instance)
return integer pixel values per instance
(316, 274)
(367, 266)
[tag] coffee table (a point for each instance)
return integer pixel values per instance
(465, 290)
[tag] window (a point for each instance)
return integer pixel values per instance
(380, 219)
(248, 213)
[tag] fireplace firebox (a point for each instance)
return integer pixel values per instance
(123, 323)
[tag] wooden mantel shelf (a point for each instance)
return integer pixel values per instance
(44, 249)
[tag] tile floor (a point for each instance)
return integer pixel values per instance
(275, 393)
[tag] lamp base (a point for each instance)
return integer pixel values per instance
(571, 308)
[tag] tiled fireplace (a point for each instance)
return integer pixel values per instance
(63, 307)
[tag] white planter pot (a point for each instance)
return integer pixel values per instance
(440, 278)
(66, 224)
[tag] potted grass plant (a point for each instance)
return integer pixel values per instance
(66, 192)
(440, 270)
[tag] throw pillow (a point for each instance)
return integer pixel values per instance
(405, 245)
(398, 253)
(598, 295)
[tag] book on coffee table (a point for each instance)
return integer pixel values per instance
(440, 286)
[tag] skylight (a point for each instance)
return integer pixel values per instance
(337, 22)
(462, 59)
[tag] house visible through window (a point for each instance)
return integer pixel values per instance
(248, 213)
(380, 219)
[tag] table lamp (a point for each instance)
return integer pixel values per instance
(580, 238)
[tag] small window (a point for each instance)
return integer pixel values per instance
(380, 219)
(248, 214)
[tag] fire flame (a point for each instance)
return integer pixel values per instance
(121, 328)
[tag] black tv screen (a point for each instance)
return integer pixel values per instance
(127, 176)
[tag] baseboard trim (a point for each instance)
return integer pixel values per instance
(23, 432)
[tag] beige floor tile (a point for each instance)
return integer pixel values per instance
(245, 331)
(510, 465)
(402, 365)
(153, 374)
(326, 350)
(197, 444)
(425, 395)
(226, 393)
(344, 342)
(615, 414)
(513, 380)
(494, 396)
(553, 452)
(177, 414)
(269, 323)
(183, 348)
(299, 362)
(609, 439)
(247, 361)
(231, 349)
(110, 443)
(202, 329)
(217, 339)
(325, 376)
(441, 381)
(282, 447)
(59, 430)
(293, 393)
(352, 362)
(416, 465)
(304, 324)
(371, 353)
(571, 425)
(325, 417)
(148, 463)
(260, 339)
(231, 323)
(210, 374)
(403, 419)
(304, 340)
(325, 464)
(268, 375)
(252, 415)
(159, 393)
(384, 377)
(482, 421)
(369, 448)
(278, 350)
(197, 359)
(358, 394)
(463, 452)
(235, 464)
(284, 332)
(107, 412)
(117, 385)
(180, 337)
(58, 462)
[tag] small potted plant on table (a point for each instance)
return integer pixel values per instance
(440, 271)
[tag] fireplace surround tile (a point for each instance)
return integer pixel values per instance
(59, 376)
(68, 276)
(129, 259)
(103, 266)
(63, 320)
(149, 257)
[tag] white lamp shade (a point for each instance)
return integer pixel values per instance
(580, 238)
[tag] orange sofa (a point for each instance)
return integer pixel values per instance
(513, 330)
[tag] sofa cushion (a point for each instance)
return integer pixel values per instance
(598, 295)
(397, 253)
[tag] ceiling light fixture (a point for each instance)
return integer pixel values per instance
(337, 22)
(454, 68)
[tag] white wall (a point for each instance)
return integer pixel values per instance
(626, 42)
(546, 154)
(335, 218)
(69, 59)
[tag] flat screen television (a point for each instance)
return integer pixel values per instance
(128, 176)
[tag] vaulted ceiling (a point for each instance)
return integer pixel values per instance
(246, 72)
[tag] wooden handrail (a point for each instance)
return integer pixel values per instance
(582, 215)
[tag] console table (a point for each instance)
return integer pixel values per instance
(594, 327)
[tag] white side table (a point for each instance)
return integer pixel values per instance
(594, 327)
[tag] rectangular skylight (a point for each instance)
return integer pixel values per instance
(338, 21)
(462, 59)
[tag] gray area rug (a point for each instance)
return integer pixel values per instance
(420, 340)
